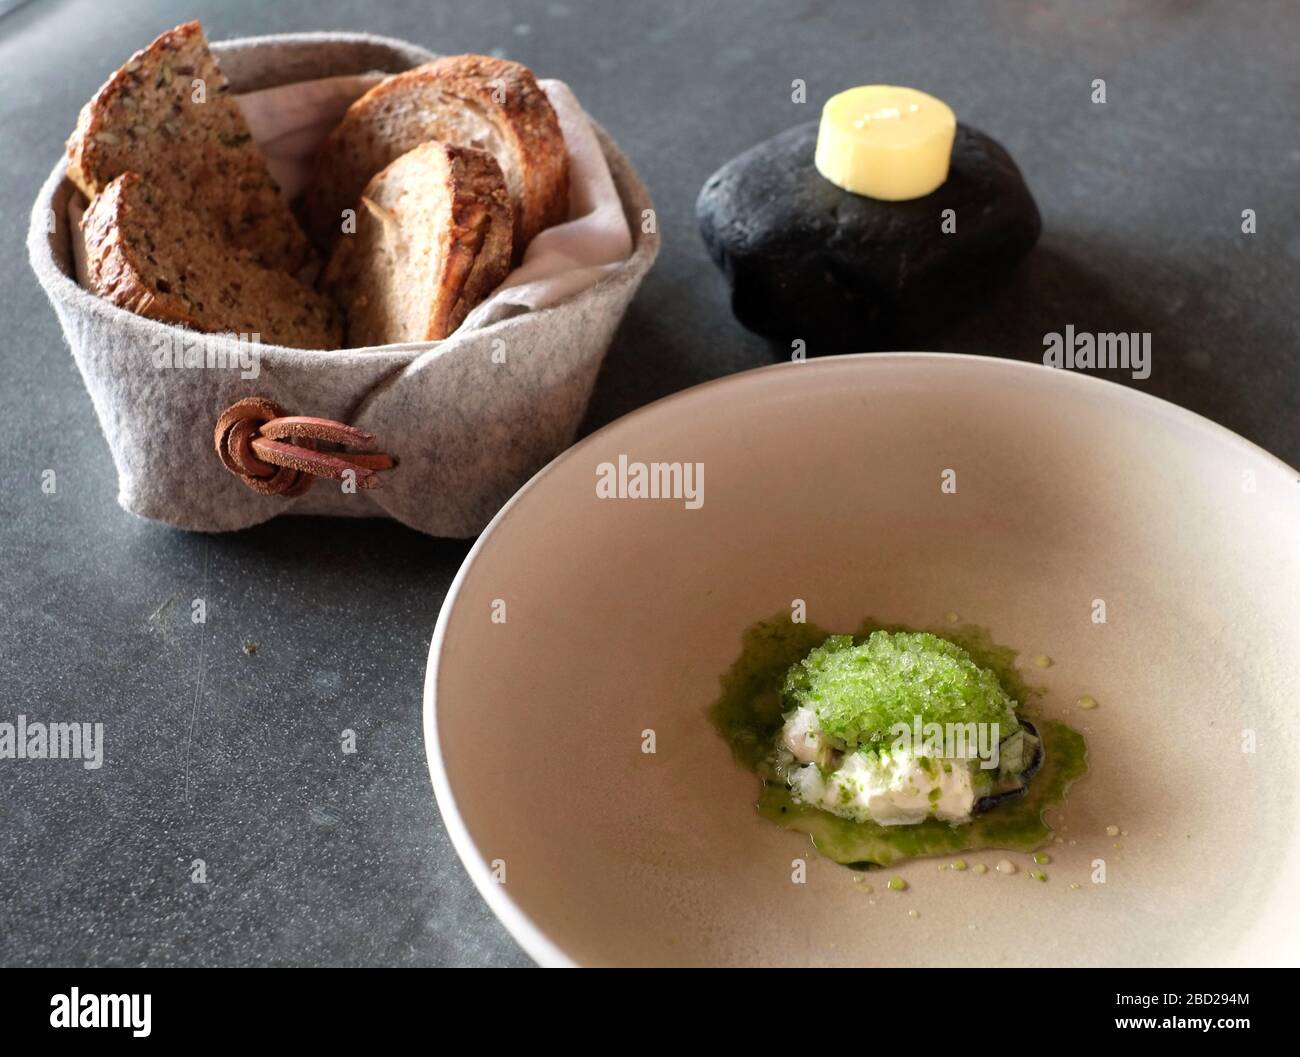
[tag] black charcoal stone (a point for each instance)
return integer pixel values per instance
(806, 259)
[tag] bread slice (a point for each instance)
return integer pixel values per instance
(166, 115)
(433, 239)
(467, 101)
(158, 259)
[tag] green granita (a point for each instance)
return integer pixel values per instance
(749, 715)
(859, 692)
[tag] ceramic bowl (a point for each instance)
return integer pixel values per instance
(579, 623)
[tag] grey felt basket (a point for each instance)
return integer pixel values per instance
(468, 427)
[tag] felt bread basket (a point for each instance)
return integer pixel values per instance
(467, 419)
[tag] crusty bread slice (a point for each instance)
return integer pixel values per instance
(432, 240)
(166, 115)
(156, 258)
(467, 101)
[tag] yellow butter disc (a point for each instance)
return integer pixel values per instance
(885, 142)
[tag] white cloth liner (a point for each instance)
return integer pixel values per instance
(289, 122)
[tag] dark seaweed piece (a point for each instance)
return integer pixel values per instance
(986, 803)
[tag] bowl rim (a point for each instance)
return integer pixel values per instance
(540, 947)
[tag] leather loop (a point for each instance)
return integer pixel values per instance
(275, 454)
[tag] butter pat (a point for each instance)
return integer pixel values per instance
(885, 142)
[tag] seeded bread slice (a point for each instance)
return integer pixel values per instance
(158, 259)
(433, 239)
(166, 115)
(467, 101)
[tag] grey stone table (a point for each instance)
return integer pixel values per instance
(316, 856)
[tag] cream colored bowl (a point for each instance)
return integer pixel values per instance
(580, 623)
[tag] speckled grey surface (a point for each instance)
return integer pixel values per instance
(314, 856)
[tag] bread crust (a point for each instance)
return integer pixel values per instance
(483, 223)
(146, 119)
(432, 102)
(144, 256)
(466, 189)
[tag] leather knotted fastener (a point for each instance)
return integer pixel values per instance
(275, 454)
